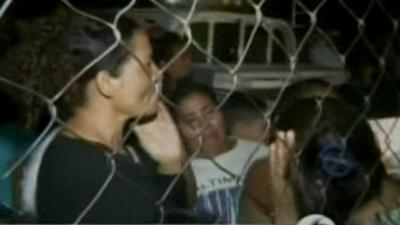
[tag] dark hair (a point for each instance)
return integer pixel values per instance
(8, 35)
(241, 107)
(331, 173)
(302, 89)
(188, 88)
(360, 59)
(58, 47)
(166, 47)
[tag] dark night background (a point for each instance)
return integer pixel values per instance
(378, 33)
(332, 15)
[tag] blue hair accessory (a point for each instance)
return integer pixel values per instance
(336, 161)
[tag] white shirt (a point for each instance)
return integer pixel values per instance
(387, 132)
(219, 183)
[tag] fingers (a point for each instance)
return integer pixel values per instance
(280, 152)
(163, 117)
(281, 148)
(160, 137)
(290, 139)
(285, 143)
(272, 158)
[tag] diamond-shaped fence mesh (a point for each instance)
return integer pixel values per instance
(75, 80)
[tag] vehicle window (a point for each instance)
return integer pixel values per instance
(200, 35)
(280, 51)
(259, 45)
(226, 42)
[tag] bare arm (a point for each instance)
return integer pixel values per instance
(284, 208)
(268, 196)
(255, 206)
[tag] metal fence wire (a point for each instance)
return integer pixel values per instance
(366, 40)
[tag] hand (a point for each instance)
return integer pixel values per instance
(281, 152)
(161, 140)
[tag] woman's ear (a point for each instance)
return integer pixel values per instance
(106, 84)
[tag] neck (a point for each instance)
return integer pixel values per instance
(102, 126)
(215, 150)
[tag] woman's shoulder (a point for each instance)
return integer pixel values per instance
(390, 202)
(64, 146)
(72, 155)
(384, 209)
(389, 216)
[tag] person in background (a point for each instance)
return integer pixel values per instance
(324, 161)
(246, 117)
(84, 174)
(166, 47)
(221, 161)
(321, 89)
(370, 87)
(321, 49)
(307, 88)
(252, 209)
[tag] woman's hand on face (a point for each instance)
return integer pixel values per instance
(281, 152)
(160, 138)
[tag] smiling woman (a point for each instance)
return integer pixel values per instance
(222, 162)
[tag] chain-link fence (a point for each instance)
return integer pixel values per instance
(61, 64)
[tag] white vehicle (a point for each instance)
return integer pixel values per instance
(223, 37)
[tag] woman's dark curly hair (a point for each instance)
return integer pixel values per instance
(337, 164)
(53, 49)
